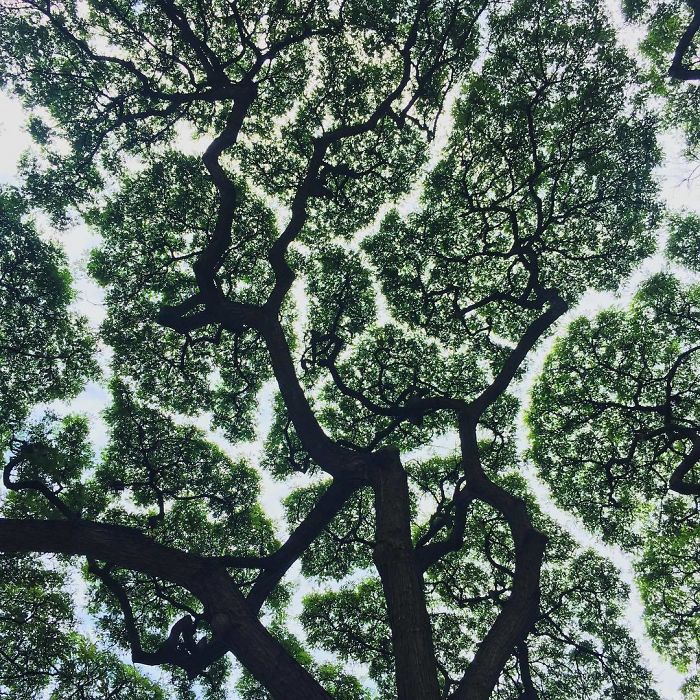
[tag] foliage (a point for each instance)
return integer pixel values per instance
(46, 348)
(619, 392)
(667, 24)
(42, 654)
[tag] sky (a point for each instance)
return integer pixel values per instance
(679, 190)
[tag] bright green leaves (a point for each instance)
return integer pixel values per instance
(98, 674)
(32, 601)
(45, 348)
(387, 369)
(41, 653)
(665, 23)
(669, 579)
(611, 414)
(113, 78)
(538, 184)
(352, 622)
(185, 489)
(581, 646)
(45, 354)
(367, 370)
(153, 230)
(365, 172)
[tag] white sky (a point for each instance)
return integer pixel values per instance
(678, 190)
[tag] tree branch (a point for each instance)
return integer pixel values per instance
(677, 482)
(677, 69)
(517, 356)
(231, 619)
(521, 610)
(277, 564)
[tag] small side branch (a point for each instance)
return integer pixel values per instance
(179, 649)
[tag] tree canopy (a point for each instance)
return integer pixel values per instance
(346, 232)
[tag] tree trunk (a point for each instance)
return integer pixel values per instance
(394, 557)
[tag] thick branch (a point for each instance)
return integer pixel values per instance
(231, 620)
(192, 658)
(521, 610)
(211, 258)
(430, 553)
(677, 481)
(523, 655)
(207, 58)
(677, 69)
(328, 455)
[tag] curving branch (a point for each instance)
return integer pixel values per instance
(677, 69)
(179, 649)
(677, 481)
(521, 610)
(26, 451)
(514, 361)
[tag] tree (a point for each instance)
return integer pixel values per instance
(279, 257)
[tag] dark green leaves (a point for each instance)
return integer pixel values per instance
(684, 239)
(42, 656)
(616, 408)
(318, 116)
(185, 489)
(154, 229)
